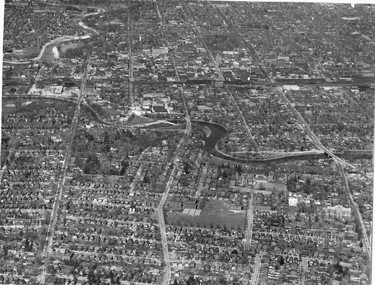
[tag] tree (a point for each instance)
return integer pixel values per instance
(124, 166)
(186, 167)
(222, 281)
(281, 260)
(146, 179)
(92, 164)
(190, 281)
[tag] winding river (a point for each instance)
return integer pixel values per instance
(218, 132)
(61, 40)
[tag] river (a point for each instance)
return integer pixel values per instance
(219, 132)
(62, 39)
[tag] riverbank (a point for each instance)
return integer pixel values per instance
(69, 101)
(218, 132)
(48, 48)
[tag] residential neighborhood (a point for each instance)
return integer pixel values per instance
(186, 142)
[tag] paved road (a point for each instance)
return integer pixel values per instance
(308, 130)
(175, 162)
(357, 213)
(304, 266)
(255, 275)
(167, 277)
(181, 90)
(130, 56)
(221, 77)
(312, 136)
(187, 115)
(282, 95)
(250, 220)
(369, 115)
(164, 242)
(201, 178)
(189, 12)
(248, 129)
(137, 176)
(52, 227)
(13, 143)
(292, 236)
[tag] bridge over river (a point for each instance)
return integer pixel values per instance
(218, 132)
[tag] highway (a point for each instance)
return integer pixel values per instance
(68, 152)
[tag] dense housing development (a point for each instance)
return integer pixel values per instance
(186, 142)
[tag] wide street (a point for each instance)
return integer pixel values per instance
(249, 222)
(67, 158)
(221, 77)
(132, 217)
(130, 58)
(341, 162)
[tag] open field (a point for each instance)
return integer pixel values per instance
(140, 120)
(216, 213)
(66, 47)
(26, 53)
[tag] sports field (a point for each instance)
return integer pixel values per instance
(216, 213)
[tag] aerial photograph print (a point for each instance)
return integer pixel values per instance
(187, 142)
